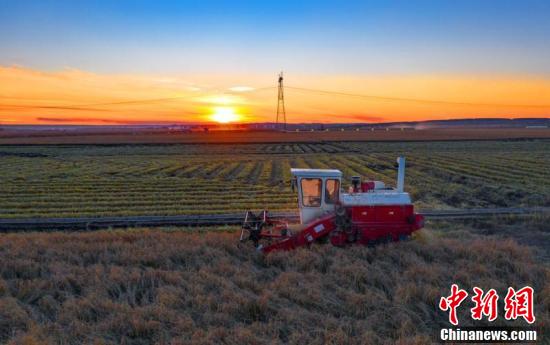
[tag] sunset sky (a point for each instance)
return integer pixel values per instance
(126, 62)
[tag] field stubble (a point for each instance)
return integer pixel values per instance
(144, 286)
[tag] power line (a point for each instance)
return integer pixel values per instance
(136, 101)
(318, 91)
(414, 100)
(87, 106)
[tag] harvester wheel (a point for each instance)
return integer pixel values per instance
(340, 211)
(387, 239)
(403, 237)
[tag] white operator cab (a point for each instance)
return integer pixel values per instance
(318, 191)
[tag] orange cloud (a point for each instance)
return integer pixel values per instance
(73, 96)
(88, 120)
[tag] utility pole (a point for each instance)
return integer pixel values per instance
(281, 113)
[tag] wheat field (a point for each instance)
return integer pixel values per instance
(126, 180)
(199, 286)
(172, 286)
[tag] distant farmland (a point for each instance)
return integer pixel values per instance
(119, 180)
(161, 136)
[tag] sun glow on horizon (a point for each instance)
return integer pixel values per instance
(225, 115)
(78, 97)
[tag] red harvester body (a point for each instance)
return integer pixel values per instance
(368, 214)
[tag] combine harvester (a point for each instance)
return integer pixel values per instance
(370, 213)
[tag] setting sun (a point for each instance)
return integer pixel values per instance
(224, 115)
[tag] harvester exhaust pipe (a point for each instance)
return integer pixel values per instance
(401, 174)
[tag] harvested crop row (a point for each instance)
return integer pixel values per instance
(201, 288)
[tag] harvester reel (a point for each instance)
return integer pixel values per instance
(261, 227)
(254, 225)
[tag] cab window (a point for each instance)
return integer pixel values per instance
(332, 191)
(311, 192)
